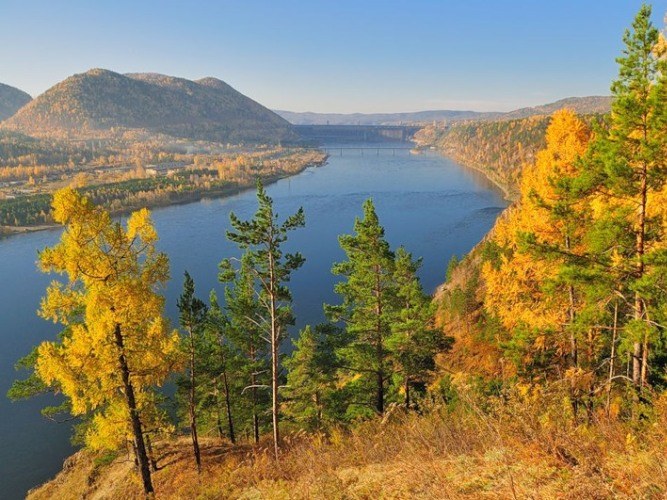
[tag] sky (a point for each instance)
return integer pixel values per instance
(332, 55)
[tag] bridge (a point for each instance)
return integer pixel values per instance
(356, 133)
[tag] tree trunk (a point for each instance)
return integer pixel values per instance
(193, 414)
(638, 354)
(407, 392)
(275, 339)
(142, 456)
(379, 347)
(228, 404)
(612, 358)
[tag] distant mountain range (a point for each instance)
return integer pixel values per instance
(11, 100)
(99, 102)
(582, 105)
(308, 118)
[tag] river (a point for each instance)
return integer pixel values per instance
(427, 203)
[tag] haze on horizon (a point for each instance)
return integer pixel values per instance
(343, 57)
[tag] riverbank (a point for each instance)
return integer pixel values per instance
(181, 198)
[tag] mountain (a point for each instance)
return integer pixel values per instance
(100, 102)
(581, 105)
(11, 100)
(309, 118)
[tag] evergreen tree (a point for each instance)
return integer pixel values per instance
(246, 333)
(630, 162)
(414, 340)
(369, 300)
(221, 365)
(262, 238)
(312, 397)
(192, 319)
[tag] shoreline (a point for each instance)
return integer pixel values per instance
(10, 231)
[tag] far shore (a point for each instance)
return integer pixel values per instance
(8, 231)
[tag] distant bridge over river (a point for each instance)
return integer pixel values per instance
(356, 133)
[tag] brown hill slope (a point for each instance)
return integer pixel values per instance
(11, 100)
(99, 101)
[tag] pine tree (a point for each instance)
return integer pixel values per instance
(369, 298)
(414, 340)
(630, 161)
(221, 365)
(192, 318)
(246, 333)
(116, 345)
(262, 238)
(312, 397)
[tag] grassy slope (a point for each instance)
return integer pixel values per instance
(505, 452)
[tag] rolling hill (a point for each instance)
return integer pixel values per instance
(101, 102)
(581, 105)
(11, 100)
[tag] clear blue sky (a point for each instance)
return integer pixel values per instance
(331, 55)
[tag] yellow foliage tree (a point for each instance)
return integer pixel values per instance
(516, 288)
(117, 344)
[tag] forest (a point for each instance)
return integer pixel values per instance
(537, 369)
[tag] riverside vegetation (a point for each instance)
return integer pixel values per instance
(539, 370)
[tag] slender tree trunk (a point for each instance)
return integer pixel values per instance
(612, 359)
(638, 354)
(228, 404)
(407, 392)
(379, 347)
(141, 454)
(253, 384)
(218, 413)
(193, 402)
(318, 405)
(275, 369)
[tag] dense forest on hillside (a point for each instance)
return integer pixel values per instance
(540, 369)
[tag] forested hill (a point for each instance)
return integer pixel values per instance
(500, 148)
(99, 102)
(497, 148)
(11, 100)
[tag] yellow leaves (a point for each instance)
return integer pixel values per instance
(114, 274)
(141, 226)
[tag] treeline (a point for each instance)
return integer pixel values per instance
(573, 278)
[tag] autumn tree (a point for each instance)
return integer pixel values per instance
(262, 239)
(529, 286)
(116, 344)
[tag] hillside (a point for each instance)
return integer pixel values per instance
(100, 102)
(466, 453)
(581, 105)
(497, 148)
(11, 100)
(309, 118)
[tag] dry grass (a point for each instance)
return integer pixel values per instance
(512, 450)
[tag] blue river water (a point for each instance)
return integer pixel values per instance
(427, 203)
